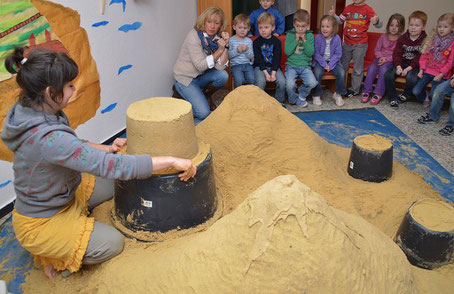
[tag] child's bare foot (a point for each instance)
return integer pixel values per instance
(50, 272)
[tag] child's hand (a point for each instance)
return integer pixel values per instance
(185, 165)
(398, 70)
(374, 20)
(406, 70)
(332, 12)
(327, 67)
(420, 73)
(452, 83)
(117, 144)
(438, 77)
(267, 76)
(276, 35)
(273, 76)
(381, 60)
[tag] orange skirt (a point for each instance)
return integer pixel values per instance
(60, 240)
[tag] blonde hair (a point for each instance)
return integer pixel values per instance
(266, 18)
(400, 21)
(210, 11)
(242, 18)
(430, 38)
(333, 22)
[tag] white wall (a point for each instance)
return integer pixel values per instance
(152, 50)
(433, 8)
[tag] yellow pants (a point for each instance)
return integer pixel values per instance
(60, 240)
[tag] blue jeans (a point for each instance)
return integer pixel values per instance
(260, 81)
(306, 75)
(194, 95)
(410, 81)
(242, 72)
(418, 90)
(337, 71)
(438, 98)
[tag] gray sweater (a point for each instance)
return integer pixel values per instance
(192, 60)
(49, 159)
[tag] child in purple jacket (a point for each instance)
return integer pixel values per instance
(327, 56)
(383, 59)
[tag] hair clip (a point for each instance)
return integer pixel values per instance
(24, 60)
(15, 67)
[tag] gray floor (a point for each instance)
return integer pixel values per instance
(441, 148)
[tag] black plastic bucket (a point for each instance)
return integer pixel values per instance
(424, 247)
(369, 165)
(163, 202)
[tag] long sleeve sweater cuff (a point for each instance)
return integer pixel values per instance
(144, 166)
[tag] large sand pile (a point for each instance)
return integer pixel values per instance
(254, 140)
(283, 238)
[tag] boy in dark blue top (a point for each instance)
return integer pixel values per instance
(267, 57)
(265, 6)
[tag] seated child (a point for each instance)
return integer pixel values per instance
(327, 55)
(446, 88)
(241, 53)
(265, 6)
(299, 47)
(436, 58)
(384, 59)
(406, 58)
(358, 16)
(267, 57)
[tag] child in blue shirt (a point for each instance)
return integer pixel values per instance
(265, 6)
(241, 53)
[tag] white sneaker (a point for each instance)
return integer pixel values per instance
(316, 100)
(338, 99)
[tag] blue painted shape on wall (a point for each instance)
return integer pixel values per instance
(4, 184)
(130, 27)
(109, 108)
(100, 23)
(123, 68)
(123, 2)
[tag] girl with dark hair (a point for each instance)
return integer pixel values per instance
(54, 171)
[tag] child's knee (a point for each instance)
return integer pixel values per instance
(117, 243)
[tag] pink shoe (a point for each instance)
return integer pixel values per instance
(375, 99)
(365, 97)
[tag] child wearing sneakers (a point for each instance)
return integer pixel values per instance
(358, 16)
(241, 53)
(446, 88)
(299, 47)
(436, 58)
(406, 58)
(267, 57)
(327, 55)
(383, 59)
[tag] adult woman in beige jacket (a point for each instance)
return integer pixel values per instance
(202, 60)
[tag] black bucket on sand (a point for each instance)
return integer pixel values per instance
(163, 202)
(424, 247)
(370, 165)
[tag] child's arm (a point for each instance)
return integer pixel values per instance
(258, 58)
(280, 23)
(250, 51)
(309, 45)
(446, 68)
(277, 54)
(332, 12)
(397, 53)
(337, 52)
(290, 44)
(318, 54)
(233, 52)
(378, 51)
